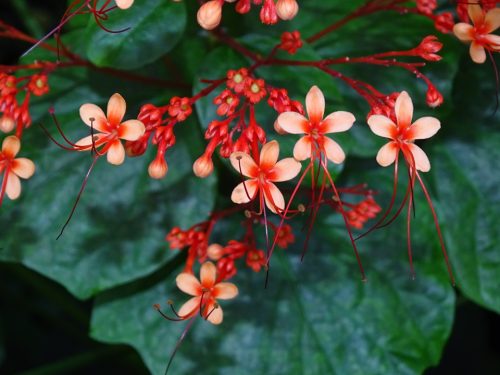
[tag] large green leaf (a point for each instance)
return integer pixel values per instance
(154, 27)
(470, 201)
(314, 318)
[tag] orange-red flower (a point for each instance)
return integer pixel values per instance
(205, 293)
(13, 168)
(315, 128)
(479, 34)
(109, 129)
(262, 174)
(403, 133)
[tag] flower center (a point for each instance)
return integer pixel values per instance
(255, 88)
(238, 78)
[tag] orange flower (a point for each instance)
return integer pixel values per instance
(403, 134)
(13, 168)
(315, 128)
(109, 129)
(262, 174)
(480, 35)
(205, 294)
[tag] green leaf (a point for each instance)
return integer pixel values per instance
(315, 317)
(153, 28)
(470, 202)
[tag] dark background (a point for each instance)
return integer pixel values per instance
(44, 329)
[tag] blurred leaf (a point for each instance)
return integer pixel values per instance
(470, 202)
(315, 317)
(153, 28)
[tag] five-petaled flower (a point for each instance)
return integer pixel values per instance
(109, 129)
(205, 293)
(403, 133)
(480, 35)
(262, 174)
(315, 142)
(13, 168)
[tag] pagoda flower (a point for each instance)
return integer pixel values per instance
(479, 34)
(13, 168)
(262, 174)
(210, 13)
(315, 142)
(124, 4)
(205, 292)
(108, 129)
(402, 134)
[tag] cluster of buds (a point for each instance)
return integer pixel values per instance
(12, 113)
(210, 13)
(159, 123)
(360, 213)
(241, 94)
(291, 42)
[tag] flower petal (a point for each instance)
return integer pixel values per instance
(188, 283)
(244, 192)
(91, 111)
(124, 4)
(293, 123)
(422, 162)
(216, 315)
(387, 154)
(477, 53)
(382, 126)
(23, 167)
(315, 104)
(303, 148)
(190, 307)
(336, 122)
(269, 155)
(285, 170)
(492, 39)
(225, 291)
(403, 109)
(423, 128)
(463, 31)
(476, 14)
(273, 197)
(13, 188)
(208, 273)
(244, 164)
(11, 146)
(116, 153)
(85, 143)
(333, 150)
(131, 130)
(492, 20)
(116, 109)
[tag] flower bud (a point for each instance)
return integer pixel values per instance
(7, 124)
(268, 13)
(158, 168)
(215, 251)
(124, 4)
(203, 166)
(428, 47)
(210, 14)
(287, 9)
(433, 97)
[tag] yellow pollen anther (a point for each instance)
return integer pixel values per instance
(238, 78)
(301, 208)
(39, 83)
(255, 88)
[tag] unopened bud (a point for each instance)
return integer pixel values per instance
(215, 251)
(210, 14)
(203, 166)
(124, 4)
(433, 97)
(158, 168)
(287, 9)
(7, 124)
